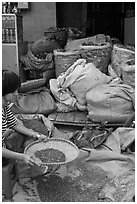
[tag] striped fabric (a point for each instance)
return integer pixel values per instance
(8, 119)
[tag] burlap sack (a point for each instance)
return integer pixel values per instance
(110, 102)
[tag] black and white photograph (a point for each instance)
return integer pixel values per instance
(68, 101)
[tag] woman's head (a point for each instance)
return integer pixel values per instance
(10, 83)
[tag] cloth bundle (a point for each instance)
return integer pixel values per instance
(31, 62)
(73, 85)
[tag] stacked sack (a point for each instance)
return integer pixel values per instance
(95, 49)
(98, 53)
(111, 100)
(72, 86)
(115, 102)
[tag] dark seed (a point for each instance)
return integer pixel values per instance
(50, 155)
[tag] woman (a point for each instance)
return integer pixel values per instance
(11, 127)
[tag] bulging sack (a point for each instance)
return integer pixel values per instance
(88, 77)
(110, 102)
(120, 54)
(36, 101)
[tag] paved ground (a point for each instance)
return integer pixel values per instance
(77, 182)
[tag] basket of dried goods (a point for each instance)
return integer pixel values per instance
(97, 53)
(52, 151)
(64, 59)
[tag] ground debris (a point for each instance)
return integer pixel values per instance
(121, 188)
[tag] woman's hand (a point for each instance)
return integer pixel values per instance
(50, 126)
(39, 136)
(42, 137)
(30, 160)
(51, 130)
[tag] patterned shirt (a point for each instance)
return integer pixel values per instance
(8, 120)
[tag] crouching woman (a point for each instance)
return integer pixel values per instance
(15, 136)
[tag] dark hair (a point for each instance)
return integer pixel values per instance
(10, 82)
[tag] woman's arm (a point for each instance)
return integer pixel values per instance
(19, 156)
(19, 127)
(11, 155)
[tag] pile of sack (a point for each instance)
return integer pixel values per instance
(108, 96)
(40, 53)
(93, 74)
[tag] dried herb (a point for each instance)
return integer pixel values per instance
(91, 138)
(50, 155)
(128, 47)
(75, 187)
(36, 125)
(94, 44)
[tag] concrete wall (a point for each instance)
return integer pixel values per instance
(42, 15)
(38, 19)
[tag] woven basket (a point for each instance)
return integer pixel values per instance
(67, 147)
(63, 60)
(32, 84)
(99, 55)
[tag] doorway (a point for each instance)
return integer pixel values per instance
(92, 17)
(105, 18)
